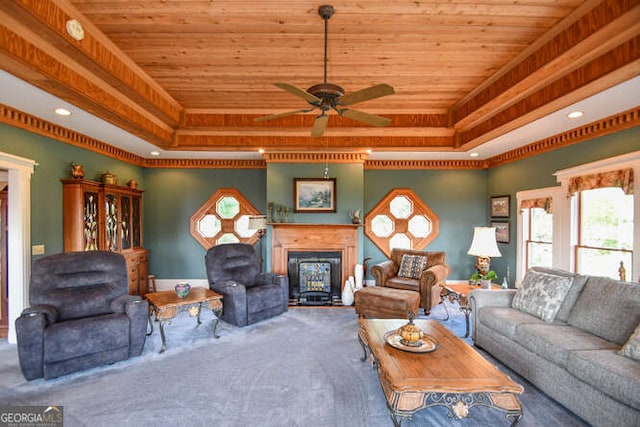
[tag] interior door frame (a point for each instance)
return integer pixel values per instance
(19, 171)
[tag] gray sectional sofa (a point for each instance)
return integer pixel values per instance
(564, 332)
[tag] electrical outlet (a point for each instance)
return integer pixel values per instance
(37, 250)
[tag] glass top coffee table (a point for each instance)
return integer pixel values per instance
(454, 375)
(166, 305)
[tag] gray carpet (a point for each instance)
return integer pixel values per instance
(299, 369)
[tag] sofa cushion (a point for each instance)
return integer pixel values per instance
(574, 291)
(398, 282)
(612, 374)
(607, 308)
(555, 342)
(632, 347)
(75, 338)
(412, 266)
(541, 294)
(505, 320)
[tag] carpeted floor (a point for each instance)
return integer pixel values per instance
(299, 369)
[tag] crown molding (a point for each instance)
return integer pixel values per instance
(608, 125)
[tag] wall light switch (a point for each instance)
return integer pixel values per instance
(37, 250)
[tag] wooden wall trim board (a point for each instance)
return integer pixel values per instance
(608, 125)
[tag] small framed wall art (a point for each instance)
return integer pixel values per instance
(503, 231)
(500, 206)
(314, 195)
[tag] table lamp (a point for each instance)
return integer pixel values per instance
(484, 246)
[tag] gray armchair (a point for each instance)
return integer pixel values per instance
(250, 295)
(80, 316)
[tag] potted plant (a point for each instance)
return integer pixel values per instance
(483, 279)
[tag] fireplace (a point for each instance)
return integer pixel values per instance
(314, 277)
(314, 239)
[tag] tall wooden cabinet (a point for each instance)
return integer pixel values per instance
(98, 216)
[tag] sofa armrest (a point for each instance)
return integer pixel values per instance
(119, 304)
(432, 276)
(30, 328)
(137, 310)
(479, 298)
(383, 271)
(48, 311)
(269, 278)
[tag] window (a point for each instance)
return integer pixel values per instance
(224, 218)
(605, 232)
(401, 220)
(538, 237)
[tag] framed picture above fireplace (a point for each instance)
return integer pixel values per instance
(314, 195)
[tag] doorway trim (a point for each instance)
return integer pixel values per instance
(19, 234)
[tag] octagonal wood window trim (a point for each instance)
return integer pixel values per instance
(227, 225)
(401, 225)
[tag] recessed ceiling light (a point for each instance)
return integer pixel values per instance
(155, 153)
(474, 154)
(369, 151)
(62, 112)
(575, 114)
(261, 150)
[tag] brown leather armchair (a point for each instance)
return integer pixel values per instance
(429, 282)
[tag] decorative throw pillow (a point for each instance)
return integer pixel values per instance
(632, 347)
(412, 266)
(541, 294)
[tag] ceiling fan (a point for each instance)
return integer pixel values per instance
(328, 96)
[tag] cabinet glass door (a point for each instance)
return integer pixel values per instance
(125, 204)
(111, 221)
(91, 221)
(136, 222)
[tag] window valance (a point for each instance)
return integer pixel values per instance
(545, 203)
(622, 178)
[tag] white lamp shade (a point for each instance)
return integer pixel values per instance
(484, 242)
(257, 222)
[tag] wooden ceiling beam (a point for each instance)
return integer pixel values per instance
(95, 53)
(597, 31)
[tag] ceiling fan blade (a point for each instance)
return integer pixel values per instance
(361, 116)
(319, 125)
(277, 116)
(366, 94)
(299, 92)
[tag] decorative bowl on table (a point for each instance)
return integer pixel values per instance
(183, 289)
(410, 333)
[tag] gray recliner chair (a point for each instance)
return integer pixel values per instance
(250, 295)
(81, 315)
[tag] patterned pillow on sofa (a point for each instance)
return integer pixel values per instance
(412, 266)
(541, 294)
(632, 347)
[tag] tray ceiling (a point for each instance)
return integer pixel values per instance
(193, 75)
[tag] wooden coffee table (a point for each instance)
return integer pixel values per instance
(460, 292)
(454, 375)
(167, 304)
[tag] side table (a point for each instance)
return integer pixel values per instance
(166, 305)
(460, 292)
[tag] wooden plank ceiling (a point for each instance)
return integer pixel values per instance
(193, 75)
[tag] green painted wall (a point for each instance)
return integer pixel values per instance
(54, 160)
(538, 172)
(459, 198)
(349, 186)
(172, 196)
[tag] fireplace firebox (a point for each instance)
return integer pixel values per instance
(314, 278)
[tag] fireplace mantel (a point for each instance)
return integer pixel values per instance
(296, 237)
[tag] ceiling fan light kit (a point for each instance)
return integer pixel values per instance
(328, 96)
